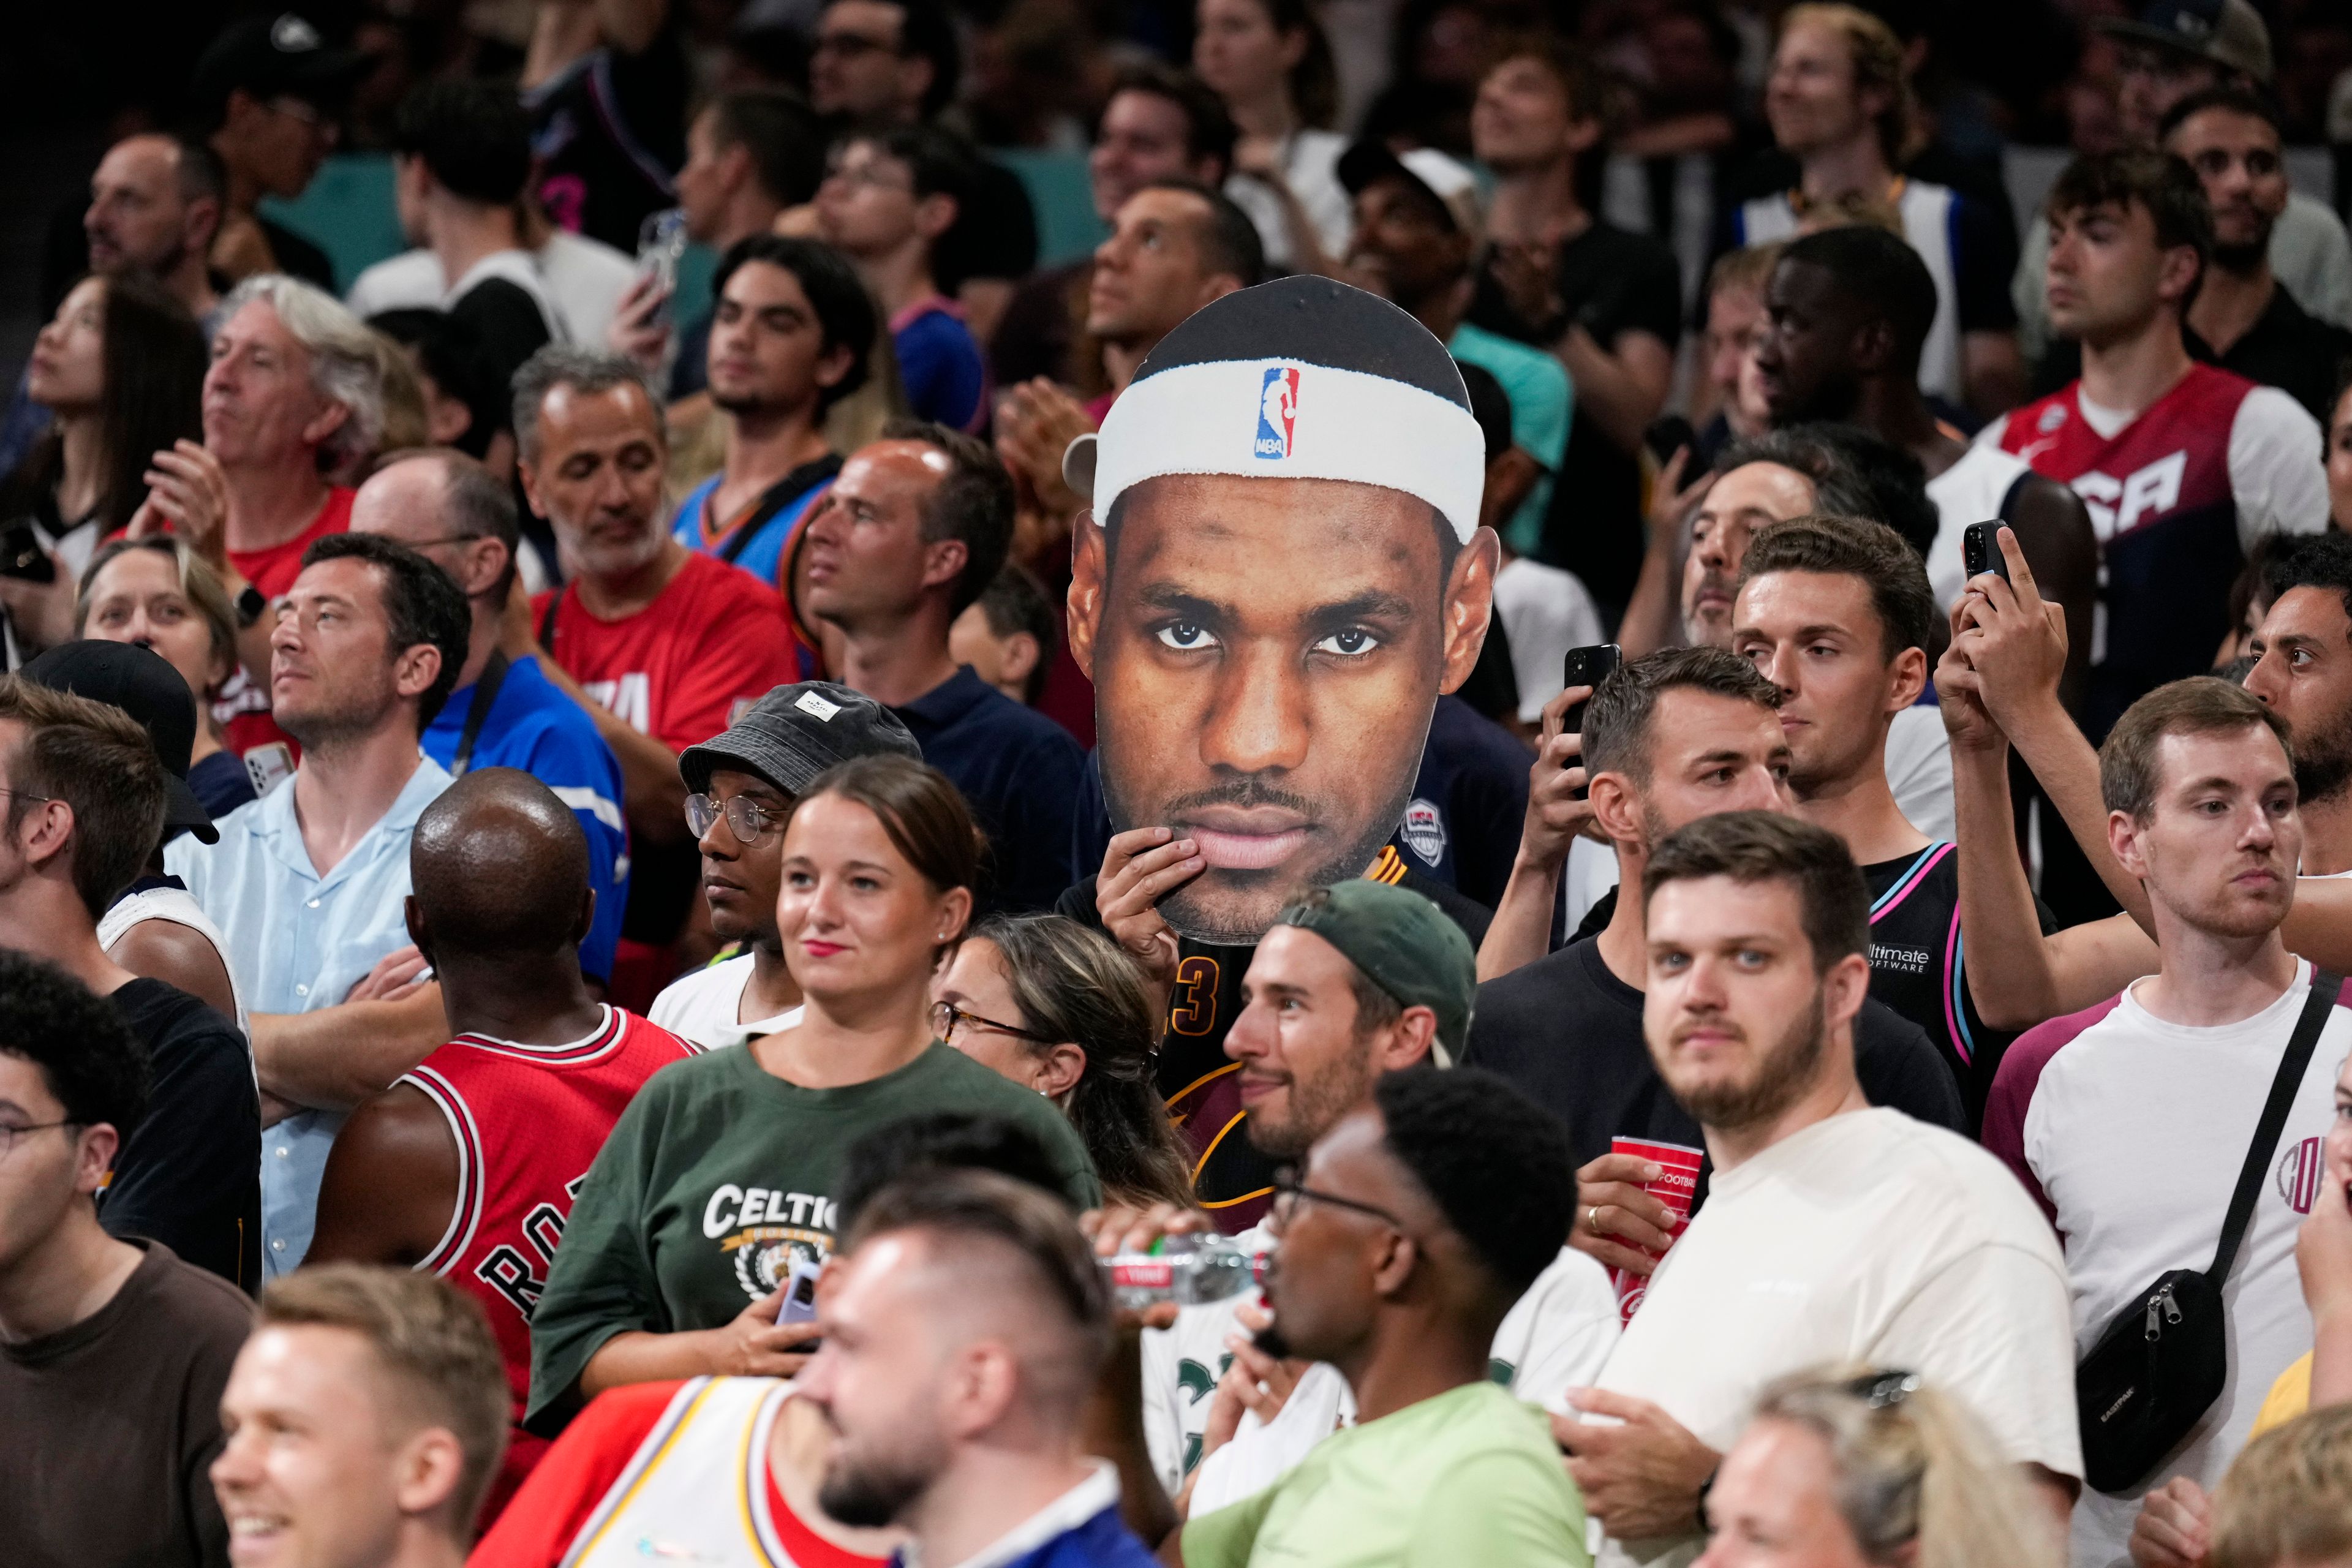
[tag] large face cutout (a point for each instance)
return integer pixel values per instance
(1265, 656)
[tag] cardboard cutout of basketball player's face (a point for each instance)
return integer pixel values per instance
(1266, 654)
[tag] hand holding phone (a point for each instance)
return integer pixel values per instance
(1587, 667)
(1981, 551)
(800, 1293)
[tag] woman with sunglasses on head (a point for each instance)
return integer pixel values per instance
(1854, 1468)
(1057, 1008)
(715, 1192)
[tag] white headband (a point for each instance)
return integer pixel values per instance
(1284, 419)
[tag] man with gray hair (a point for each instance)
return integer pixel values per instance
(660, 644)
(505, 712)
(293, 395)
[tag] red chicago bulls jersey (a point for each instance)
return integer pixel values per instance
(528, 1121)
(2159, 496)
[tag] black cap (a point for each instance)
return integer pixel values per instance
(268, 56)
(139, 681)
(795, 733)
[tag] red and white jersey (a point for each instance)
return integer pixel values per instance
(2178, 494)
(528, 1120)
(711, 644)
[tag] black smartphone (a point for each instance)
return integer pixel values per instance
(1587, 667)
(1667, 434)
(22, 556)
(1981, 551)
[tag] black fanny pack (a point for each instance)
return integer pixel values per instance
(2162, 1361)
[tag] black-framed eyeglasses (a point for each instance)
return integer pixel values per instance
(751, 821)
(1881, 1390)
(10, 1136)
(946, 1015)
(1288, 1192)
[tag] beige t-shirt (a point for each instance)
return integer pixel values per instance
(1868, 1238)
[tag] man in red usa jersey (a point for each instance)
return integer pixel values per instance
(2182, 466)
(465, 1167)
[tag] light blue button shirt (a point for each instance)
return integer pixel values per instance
(301, 942)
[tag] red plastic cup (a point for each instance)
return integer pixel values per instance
(1677, 1184)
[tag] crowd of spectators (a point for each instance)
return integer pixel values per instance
(704, 869)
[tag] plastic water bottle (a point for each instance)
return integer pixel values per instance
(1185, 1269)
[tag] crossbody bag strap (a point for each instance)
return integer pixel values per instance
(2316, 1007)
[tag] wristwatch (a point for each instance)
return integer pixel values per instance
(250, 604)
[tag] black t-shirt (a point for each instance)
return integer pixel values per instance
(1469, 802)
(610, 133)
(2286, 348)
(1917, 966)
(1232, 1180)
(1611, 282)
(297, 256)
(505, 324)
(190, 1176)
(1568, 1031)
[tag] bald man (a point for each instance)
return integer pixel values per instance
(465, 1167)
(154, 207)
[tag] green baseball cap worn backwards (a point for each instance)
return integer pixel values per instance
(1404, 944)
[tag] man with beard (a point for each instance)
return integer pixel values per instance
(1671, 739)
(2303, 673)
(1283, 570)
(2243, 318)
(1846, 311)
(963, 1339)
(154, 207)
(788, 340)
(1355, 983)
(2200, 787)
(1836, 1233)
(1411, 1227)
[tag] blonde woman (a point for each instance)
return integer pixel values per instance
(1858, 1469)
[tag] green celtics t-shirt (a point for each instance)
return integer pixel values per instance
(716, 1178)
(1472, 1476)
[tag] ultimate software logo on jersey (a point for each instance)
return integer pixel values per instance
(1277, 411)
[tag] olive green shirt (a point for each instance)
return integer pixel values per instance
(718, 1176)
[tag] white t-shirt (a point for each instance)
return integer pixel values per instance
(1867, 1238)
(2276, 477)
(1971, 491)
(179, 907)
(702, 1007)
(1310, 167)
(1554, 1338)
(2133, 1130)
(1544, 612)
(1919, 771)
(583, 277)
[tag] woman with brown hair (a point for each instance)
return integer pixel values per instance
(715, 1192)
(1057, 1008)
(1271, 62)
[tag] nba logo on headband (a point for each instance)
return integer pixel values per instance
(1277, 411)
